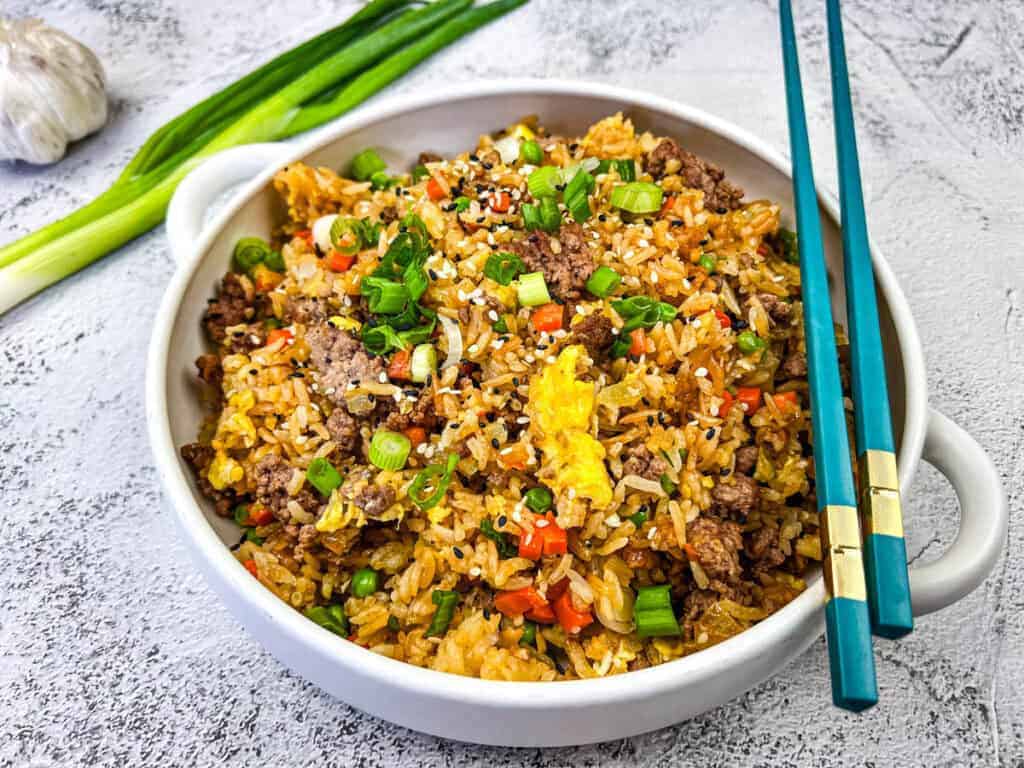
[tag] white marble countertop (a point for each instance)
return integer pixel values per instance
(112, 649)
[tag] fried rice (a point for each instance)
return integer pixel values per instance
(675, 455)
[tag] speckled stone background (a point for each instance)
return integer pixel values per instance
(112, 649)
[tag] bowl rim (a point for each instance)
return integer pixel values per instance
(210, 551)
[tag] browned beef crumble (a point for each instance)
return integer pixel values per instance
(272, 476)
(231, 307)
(669, 158)
(640, 461)
(388, 214)
(762, 547)
(375, 500)
(794, 366)
(422, 415)
(595, 333)
(778, 310)
(746, 459)
(308, 310)
(344, 430)
(564, 258)
(210, 370)
(717, 544)
(736, 497)
(339, 359)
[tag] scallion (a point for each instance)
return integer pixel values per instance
(365, 164)
(347, 235)
(443, 472)
(445, 600)
(330, 617)
(790, 245)
(531, 217)
(423, 363)
(419, 173)
(667, 485)
(544, 182)
(638, 518)
(625, 168)
(364, 582)
(500, 325)
(653, 614)
(550, 216)
(531, 152)
(322, 475)
(503, 267)
(637, 197)
(532, 290)
(389, 450)
(506, 548)
(274, 261)
(250, 251)
(461, 203)
(240, 514)
(384, 297)
(643, 312)
(529, 636)
(603, 281)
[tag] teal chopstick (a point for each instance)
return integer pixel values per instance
(846, 612)
(885, 553)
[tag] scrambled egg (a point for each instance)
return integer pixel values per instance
(560, 409)
(338, 514)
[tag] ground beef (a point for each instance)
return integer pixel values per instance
(210, 370)
(374, 500)
(595, 333)
(308, 310)
(778, 310)
(339, 358)
(231, 307)
(669, 158)
(746, 459)
(637, 557)
(422, 415)
(640, 461)
(717, 544)
(388, 214)
(737, 498)
(695, 604)
(199, 457)
(344, 430)
(272, 477)
(429, 157)
(564, 258)
(794, 366)
(762, 547)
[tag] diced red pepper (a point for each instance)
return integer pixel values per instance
(750, 397)
(516, 602)
(400, 367)
(547, 317)
(277, 334)
(340, 262)
(727, 402)
(307, 235)
(250, 566)
(416, 435)
(434, 190)
(531, 544)
(786, 399)
(572, 620)
(723, 319)
(639, 339)
(500, 201)
(543, 614)
(515, 458)
(259, 515)
(556, 541)
(667, 206)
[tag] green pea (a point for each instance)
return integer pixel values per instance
(364, 582)
(708, 261)
(749, 343)
(538, 499)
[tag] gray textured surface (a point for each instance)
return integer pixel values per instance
(114, 652)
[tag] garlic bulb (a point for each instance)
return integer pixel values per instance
(52, 91)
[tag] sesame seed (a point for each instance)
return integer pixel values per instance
(473, 349)
(542, 523)
(523, 420)
(654, 276)
(475, 571)
(494, 442)
(572, 493)
(502, 521)
(613, 521)
(615, 331)
(701, 372)
(493, 316)
(651, 533)
(710, 434)
(458, 552)
(382, 378)
(517, 516)
(580, 310)
(643, 243)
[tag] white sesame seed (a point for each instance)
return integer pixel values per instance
(301, 440)
(701, 372)
(421, 448)
(475, 571)
(542, 523)
(330, 391)
(651, 533)
(550, 359)
(529, 358)
(493, 316)
(687, 284)
(654, 276)
(517, 516)
(523, 420)
(580, 310)
(473, 349)
(429, 452)
(347, 301)
(613, 521)
(571, 493)
(615, 331)
(714, 410)
(643, 243)
(462, 295)
(382, 378)
(497, 344)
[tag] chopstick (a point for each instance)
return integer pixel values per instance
(885, 553)
(847, 624)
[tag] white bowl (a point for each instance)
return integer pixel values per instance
(526, 714)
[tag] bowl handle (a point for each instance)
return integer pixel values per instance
(196, 194)
(983, 518)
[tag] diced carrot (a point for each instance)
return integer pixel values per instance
(499, 201)
(416, 435)
(340, 262)
(547, 317)
(515, 458)
(639, 339)
(305, 234)
(690, 550)
(400, 367)
(516, 602)
(667, 206)
(784, 400)
(434, 190)
(277, 334)
(555, 540)
(250, 566)
(531, 544)
(266, 279)
(750, 397)
(259, 515)
(727, 402)
(543, 614)
(723, 319)
(572, 620)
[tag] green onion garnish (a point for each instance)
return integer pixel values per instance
(637, 197)
(531, 217)
(550, 216)
(347, 235)
(365, 164)
(625, 168)
(544, 182)
(638, 518)
(330, 617)
(419, 484)
(275, 261)
(532, 290)
(445, 600)
(503, 267)
(364, 582)
(506, 548)
(250, 251)
(381, 339)
(529, 636)
(667, 485)
(423, 363)
(250, 535)
(603, 281)
(575, 196)
(461, 203)
(500, 325)
(240, 514)
(538, 499)
(653, 614)
(384, 297)
(790, 246)
(393, 623)
(643, 312)
(322, 475)
(389, 450)
(419, 173)
(708, 261)
(381, 180)
(530, 152)
(749, 342)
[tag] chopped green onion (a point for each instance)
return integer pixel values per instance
(462, 203)
(643, 312)
(332, 618)
(389, 450)
(250, 251)
(626, 169)
(381, 339)
(506, 548)
(621, 345)
(419, 173)
(530, 152)
(393, 623)
(250, 535)
(322, 475)
(423, 363)
(550, 216)
(500, 325)
(503, 267)
(445, 600)
(365, 164)
(271, 323)
(532, 290)
(667, 485)
(575, 196)
(538, 499)
(274, 260)
(603, 281)
(579, 208)
(531, 217)
(425, 475)
(749, 342)
(638, 518)
(790, 245)
(529, 636)
(637, 197)
(384, 297)
(381, 180)
(364, 582)
(708, 261)
(240, 514)
(544, 182)
(653, 614)
(341, 227)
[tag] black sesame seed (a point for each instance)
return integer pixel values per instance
(491, 416)
(474, 158)
(650, 421)
(481, 219)
(252, 371)
(705, 241)
(502, 520)
(432, 273)
(739, 324)
(487, 166)
(515, 381)
(710, 434)
(602, 217)
(542, 347)
(725, 472)
(494, 442)
(296, 375)
(458, 552)
(677, 223)
(573, 147)
(722, 210)
(487, 615)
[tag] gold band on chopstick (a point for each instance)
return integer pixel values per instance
(880, 493)
(843, 564)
